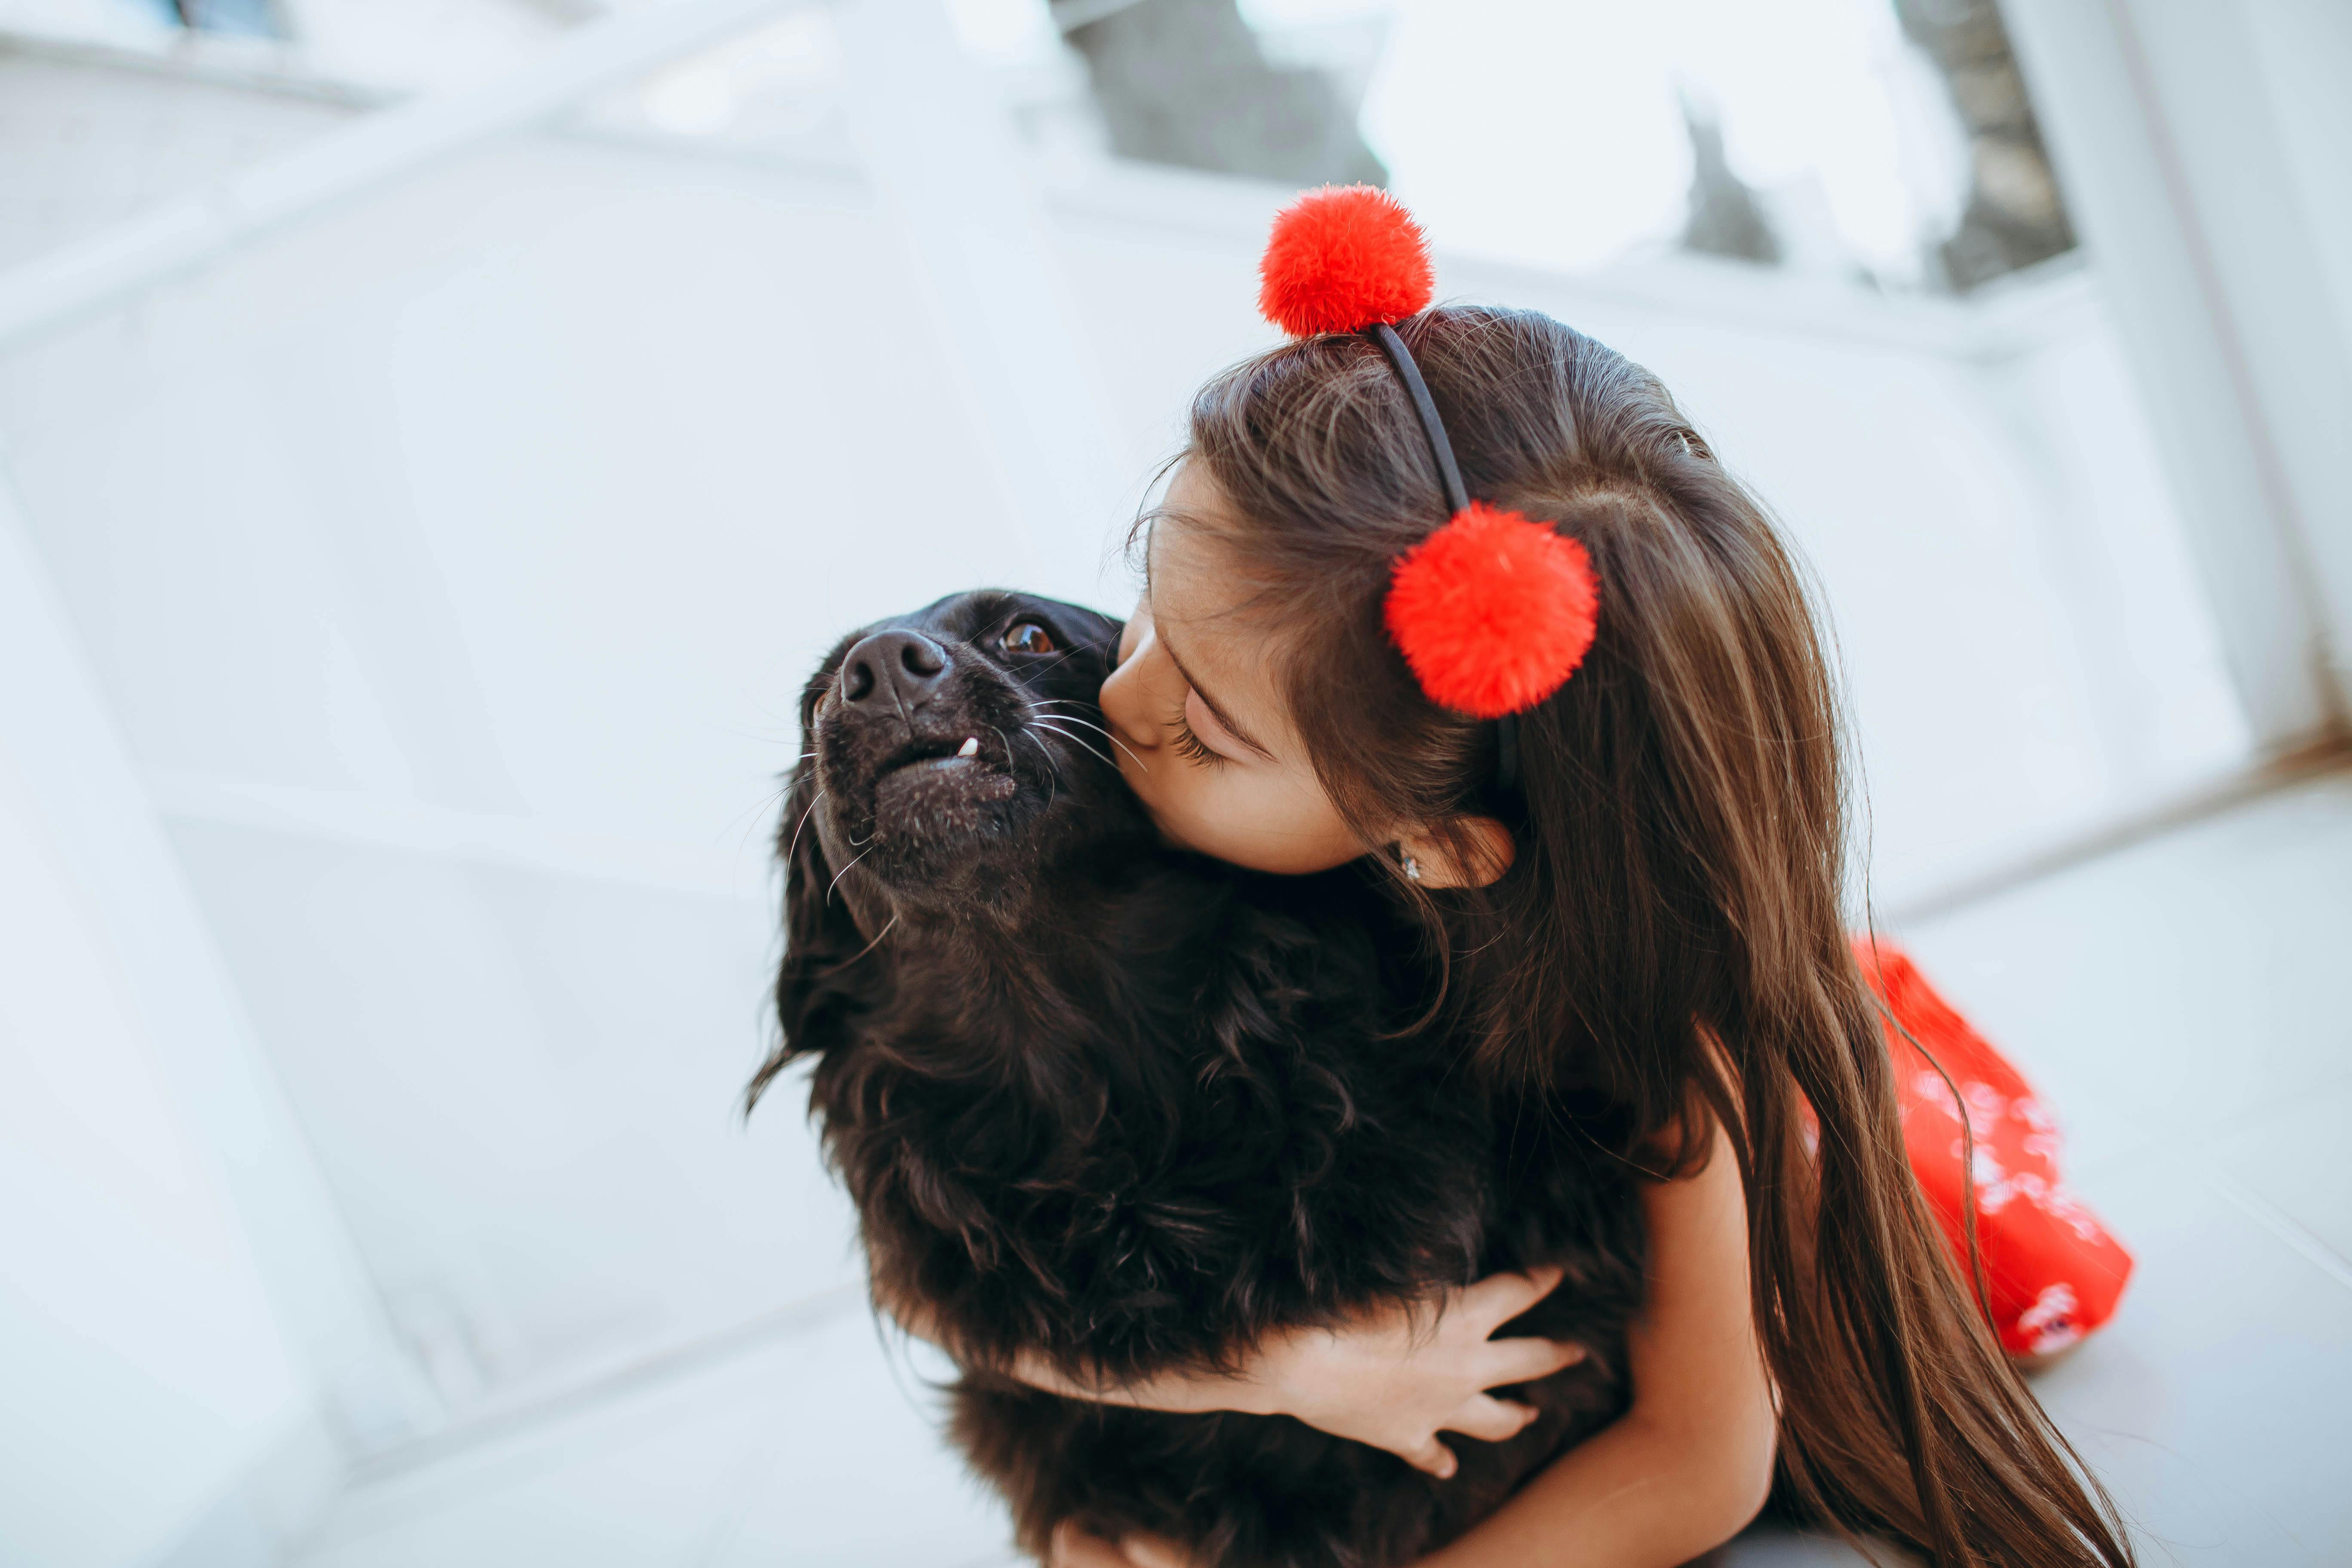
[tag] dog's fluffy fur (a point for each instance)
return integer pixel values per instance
(1130, 1109)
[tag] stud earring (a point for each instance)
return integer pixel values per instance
(1408, 865)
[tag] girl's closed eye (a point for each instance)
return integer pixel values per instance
(1187, 740)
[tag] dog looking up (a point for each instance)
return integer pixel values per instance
(1130, 1109)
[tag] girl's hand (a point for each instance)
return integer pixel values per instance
(1074, 1548)
(1395, 1378)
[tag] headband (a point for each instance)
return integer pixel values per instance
(1494, 610)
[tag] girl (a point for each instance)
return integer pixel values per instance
(1589, 725)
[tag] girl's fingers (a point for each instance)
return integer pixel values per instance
(1432, 1455)
(1074, 1548)
(1497, 1298)
(1524, 1360)
(1490, 1419)
(1154, 1552)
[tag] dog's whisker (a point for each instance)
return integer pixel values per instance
(837, 876)
(1066, 718)
(1053, 769)
(1098, 728)
(1040, 722)
(1102, 757)
(1052, 763)
(1078, 740)
(1069, 712)
(1114, 740)
(757, 809)
(862, 952)
(1087, 713)
(1067, 655)
(795, 844)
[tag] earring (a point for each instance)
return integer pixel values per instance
(1408, 865)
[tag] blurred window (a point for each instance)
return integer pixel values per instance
(238, 18)
(1887, 141)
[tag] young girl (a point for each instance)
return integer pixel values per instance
(1589, 726)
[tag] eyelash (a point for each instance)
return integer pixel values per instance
(1189, 744)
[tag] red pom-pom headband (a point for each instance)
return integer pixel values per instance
(1494, 610)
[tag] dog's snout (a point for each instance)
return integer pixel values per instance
(898, 668)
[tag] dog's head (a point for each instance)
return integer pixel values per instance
(950, 745)
(950, 758)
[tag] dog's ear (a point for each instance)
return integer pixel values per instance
(819, 986)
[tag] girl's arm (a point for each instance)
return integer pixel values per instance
(1394, 1376)
(1680, 1472)
(1688, 1465)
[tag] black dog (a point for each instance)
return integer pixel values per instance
(1132, 1109)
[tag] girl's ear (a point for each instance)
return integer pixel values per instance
(820, 985)
(1471, 852)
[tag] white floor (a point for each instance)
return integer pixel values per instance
(2180, 1002)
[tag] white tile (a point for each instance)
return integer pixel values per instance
(1776, 1546)
(2217, 1404)
(2216, 1407)
(862, 1476)
(2298, 1159)
(648, 1478)
(2177, 1004)
(2173, 986)
(648, 1502)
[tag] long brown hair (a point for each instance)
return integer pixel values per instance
(1676, 900)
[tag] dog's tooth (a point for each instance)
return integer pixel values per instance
(970, 747)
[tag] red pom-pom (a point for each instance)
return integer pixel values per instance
(1493, 611)
(1340, 259)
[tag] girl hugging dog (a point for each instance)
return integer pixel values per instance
(1460, 590)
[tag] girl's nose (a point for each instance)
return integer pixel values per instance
(1118, 706)
(1126, 701)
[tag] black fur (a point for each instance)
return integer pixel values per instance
(1132, 1109)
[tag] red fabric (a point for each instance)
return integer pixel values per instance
(1493, 611)
(2052, 1272)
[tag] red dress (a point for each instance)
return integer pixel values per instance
(2052, 1274)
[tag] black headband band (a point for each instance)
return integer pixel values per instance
(1457, 499)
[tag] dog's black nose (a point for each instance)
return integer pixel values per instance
(893, 668)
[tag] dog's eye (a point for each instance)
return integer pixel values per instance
(1027, 637)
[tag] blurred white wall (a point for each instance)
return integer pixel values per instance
(141, 1343)
(189, 1342)
(449, 566)
(2202, 149)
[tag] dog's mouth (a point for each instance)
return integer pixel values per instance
(927, 784)
(939, 756)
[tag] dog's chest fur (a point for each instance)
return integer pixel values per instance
(1165, 1109)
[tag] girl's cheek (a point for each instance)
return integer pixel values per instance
(1207, 809)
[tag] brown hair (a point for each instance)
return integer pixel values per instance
(1676, 900)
